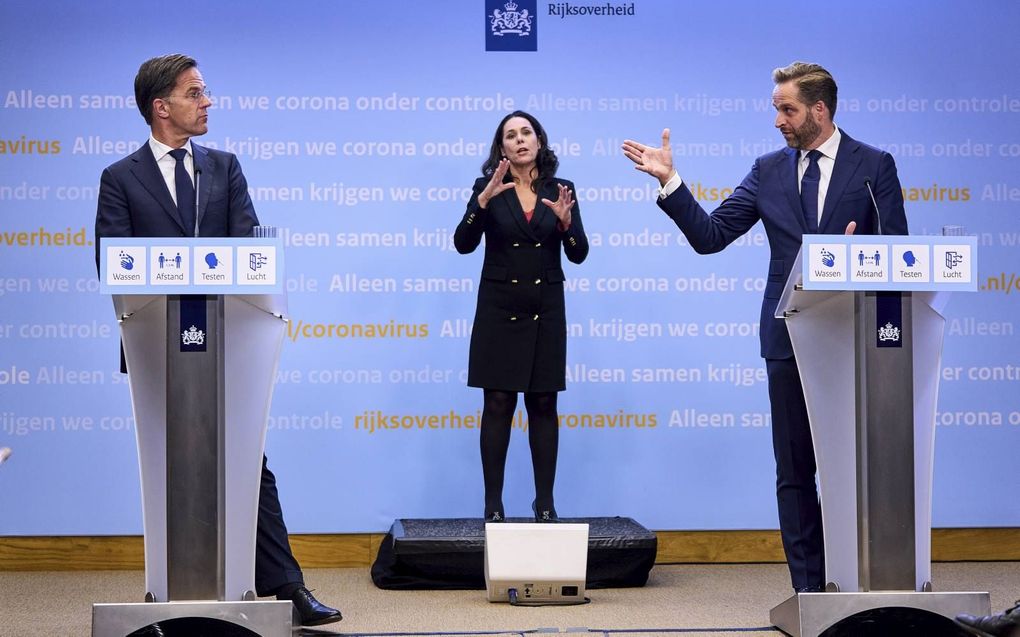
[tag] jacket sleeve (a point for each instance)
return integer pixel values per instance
(113, 217)
(241, 216)
(472, 225)
(575, 241)
(709, 233)
(889, 196)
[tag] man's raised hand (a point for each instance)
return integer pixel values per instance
(657, 162)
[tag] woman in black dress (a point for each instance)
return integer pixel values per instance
(519, 339)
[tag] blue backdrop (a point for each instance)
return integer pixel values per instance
(360, 127)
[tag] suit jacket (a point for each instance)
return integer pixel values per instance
(135, 202)
(519, 338)
(771, 193)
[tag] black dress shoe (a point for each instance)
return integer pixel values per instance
(495, 516)
(545, 515)
(1005, 624)
(311, 611)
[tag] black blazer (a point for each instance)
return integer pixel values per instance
(519, 339)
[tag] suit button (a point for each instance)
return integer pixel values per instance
(517, 245)
(538, 245)
(513, 280)
(535, 318)
(513, 318)
(537, 281)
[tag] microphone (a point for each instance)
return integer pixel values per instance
(198, 177)
(5, 453)
(878, 215)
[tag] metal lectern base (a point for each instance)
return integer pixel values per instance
(808, 614)
(265, 618)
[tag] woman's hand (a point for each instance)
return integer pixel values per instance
(495, 185)
(561, 207)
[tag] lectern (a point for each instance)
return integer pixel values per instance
(865, 316)
(202, 325)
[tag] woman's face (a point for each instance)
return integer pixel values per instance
(520, 142)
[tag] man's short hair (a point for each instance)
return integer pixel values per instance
(157, 78)
(812, 80)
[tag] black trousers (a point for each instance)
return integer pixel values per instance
(275, 565)
(800, 515)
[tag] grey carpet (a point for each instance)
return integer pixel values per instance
(677, 597)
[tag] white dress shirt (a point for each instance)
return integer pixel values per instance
(168, 165)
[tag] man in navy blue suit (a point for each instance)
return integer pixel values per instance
(818, 184)
(171, 187)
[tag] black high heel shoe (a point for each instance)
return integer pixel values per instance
(544, 516)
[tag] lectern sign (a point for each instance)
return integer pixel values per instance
(193, 323)
(889, 319)
(884, 262)
(828, 262)
(191, 266)
(170, 265)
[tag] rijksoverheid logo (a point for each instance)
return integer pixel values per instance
(511, 25)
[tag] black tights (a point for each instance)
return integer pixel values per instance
(543, 437)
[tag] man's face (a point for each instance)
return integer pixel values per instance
(186, 108)
(799, 123)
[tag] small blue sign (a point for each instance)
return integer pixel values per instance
(511, 25)
(889, 319)
(194, 323)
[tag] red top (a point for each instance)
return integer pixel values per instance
(528, 214)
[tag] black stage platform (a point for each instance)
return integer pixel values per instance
(449, 553)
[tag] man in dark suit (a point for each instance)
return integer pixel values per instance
(819, 184)
(152, 193)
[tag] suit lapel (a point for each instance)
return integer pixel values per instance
(847, 160)
(517, 212)
(788, 177)
(147, 172)
(204, 177)
(542, 211)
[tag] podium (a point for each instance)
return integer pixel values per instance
(865, 317)
(202, 325)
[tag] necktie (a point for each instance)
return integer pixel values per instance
(809, 192)
(186, 192)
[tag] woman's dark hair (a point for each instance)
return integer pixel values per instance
(545, 163)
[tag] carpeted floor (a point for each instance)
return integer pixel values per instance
(678, 600)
